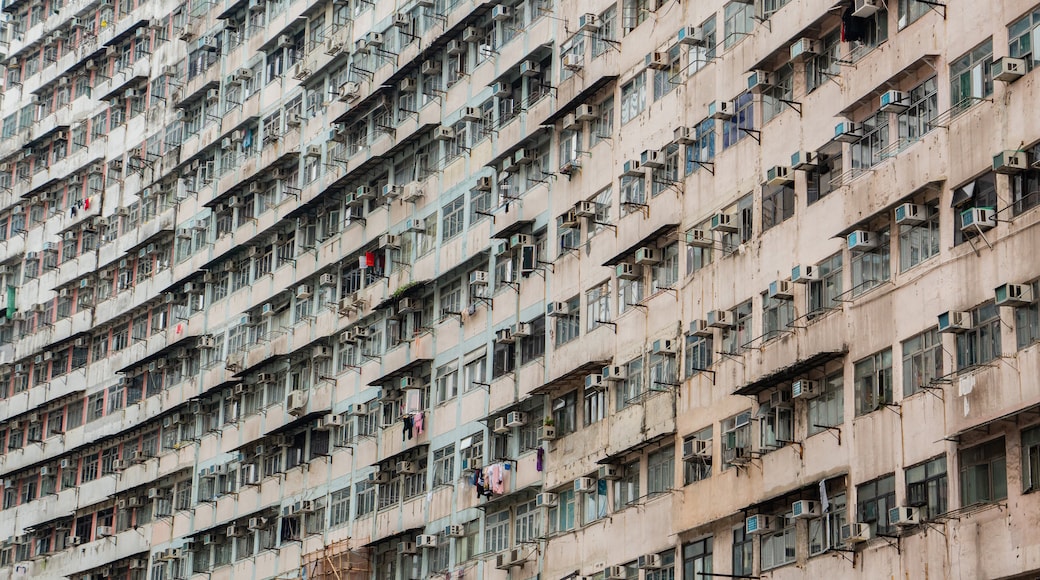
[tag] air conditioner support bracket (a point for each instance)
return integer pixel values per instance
(794, 105)
(707, 371)
(833, 429)
(756, 135)
(709, 165)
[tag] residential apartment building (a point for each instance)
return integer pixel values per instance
(612, 289)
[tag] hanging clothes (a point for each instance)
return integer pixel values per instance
(539, 459)
(407, 420)
(417, 422)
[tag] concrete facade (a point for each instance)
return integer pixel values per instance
(459, 289)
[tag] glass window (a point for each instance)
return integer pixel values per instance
(564, 413)
(924, 107)
(453, 215)
(779, 548)
(665, 80)
(874, 382)
(633, 98)
(910, 11)
(919, 242)
(1025, 186)
(626, 489)
(739, 22)
(597, 301)
(697, 559)
(528, 526)
(660, 470)
(871, 148)
(702, 150)
(667, 569)
(630, 389)
(561, 518)
(496, 531)
(781, 90)
(922, 361)
(926, 487)
(970, 76)
(595, 405)
(568, 326)
(734, 338)
(825, 531)
(666, 272)
(1027, 321)
(699, 351)
(594, 505)
(743, 556)
(981, 343)
(871, 268)
(1030, 459)
(873, 500)
(777, 205)
(823, 294)
(777, 315)
(980, 193)
(734, 129)
(828, 408)
(699, 467)
(983, 473)
(607, 33)
(1023, 35)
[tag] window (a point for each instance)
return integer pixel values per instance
(607, 31)
(447, 383)
(777, 97)
(632, 387)
(568, 326)
(660, 470)
(533, 347)
(743, 556)
(823, 294)
(444, 465)
(634, 13)
(873, 382)
(666, 272)
(1030, 459)
(626, 488)
(779, 548)
(699, 351)
(595, 405)
(927, 487)
(871, 268)
(667, 569)
(1025, 185)
(699, 56)
(698, 468)
(743, 120)
(665, 80)
(825, 531)
(496, 531)
(702, 150)
(736, 439)
(970, 76)
(594, 505)
(981, 343)
(777, 204)
(871, 149)
(983, 473)
(922, 361)
(603, 124)
(776, 425)
(564, 413)
(740, 21)
(698, 257)
(339, 507)
(924, 107)
(824, 66)
(920, 242)
(603, 203)
(597, 301)
(503, 359)
(453, 217)
(980, 193)
(734, 338)
(466, 546)
(475, 370)
(697, 559)
(633, 98)
(777, 315)
(873, 500)
(1023, 37)
(528, 526)
(910, 11)
(1027, 322)
(366, 497)
(561, 518)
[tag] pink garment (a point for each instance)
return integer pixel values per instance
(417, 422)
(497, 480)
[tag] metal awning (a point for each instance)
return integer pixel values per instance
(863, 223)
(656, 234)
(892, 82)
(563, 108)
(576, 377)
(517, 496)
(1030, 413)
(791, 372)
(639, 446)
(513, 228)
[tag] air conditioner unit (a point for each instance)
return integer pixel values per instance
(720, 319)
(501, 13)
(760, 524)
(861, 240)
(649, 562)
(213, 96)
(584, 485)
(804, 160)
(1009, 162)
(954, 321)
(609, 472)
(632, 168)
(847, 132)
(803, 48)
(781, 289)
(585, 113)
(691, 36)
(379, 477)
(804, 389)
(402, 20)
(594, 381)
(555, 309)
(571, 62)
(722, 110)
(406, 467)
(257, 523)
(978, 219)
(904, 516)
(894, 101)
(500, 426)
(700, 327)
(547, 433)
(865, 8)
(105, 531)
(501, 89)
(779, 175)
(805, 508)
(910, 214)
(614, 373)
(853, 533)
(647, 256)
(504, 336)
(414, 225)
(348, 90)
(684, 135)
(804, 273)
(760, 80)
(699, 239)
(663, 346)
(615, 573)
(1014, 294)
(426, 541)
(588, 22)
(1008, 69)
(455, 531)
(484, 183)
(444, 133)
(470, 34)
(529, 68)
(657, 60)
(546, 500)
(694, 449)
(296, 402)
(456, 48)
(724, 222)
